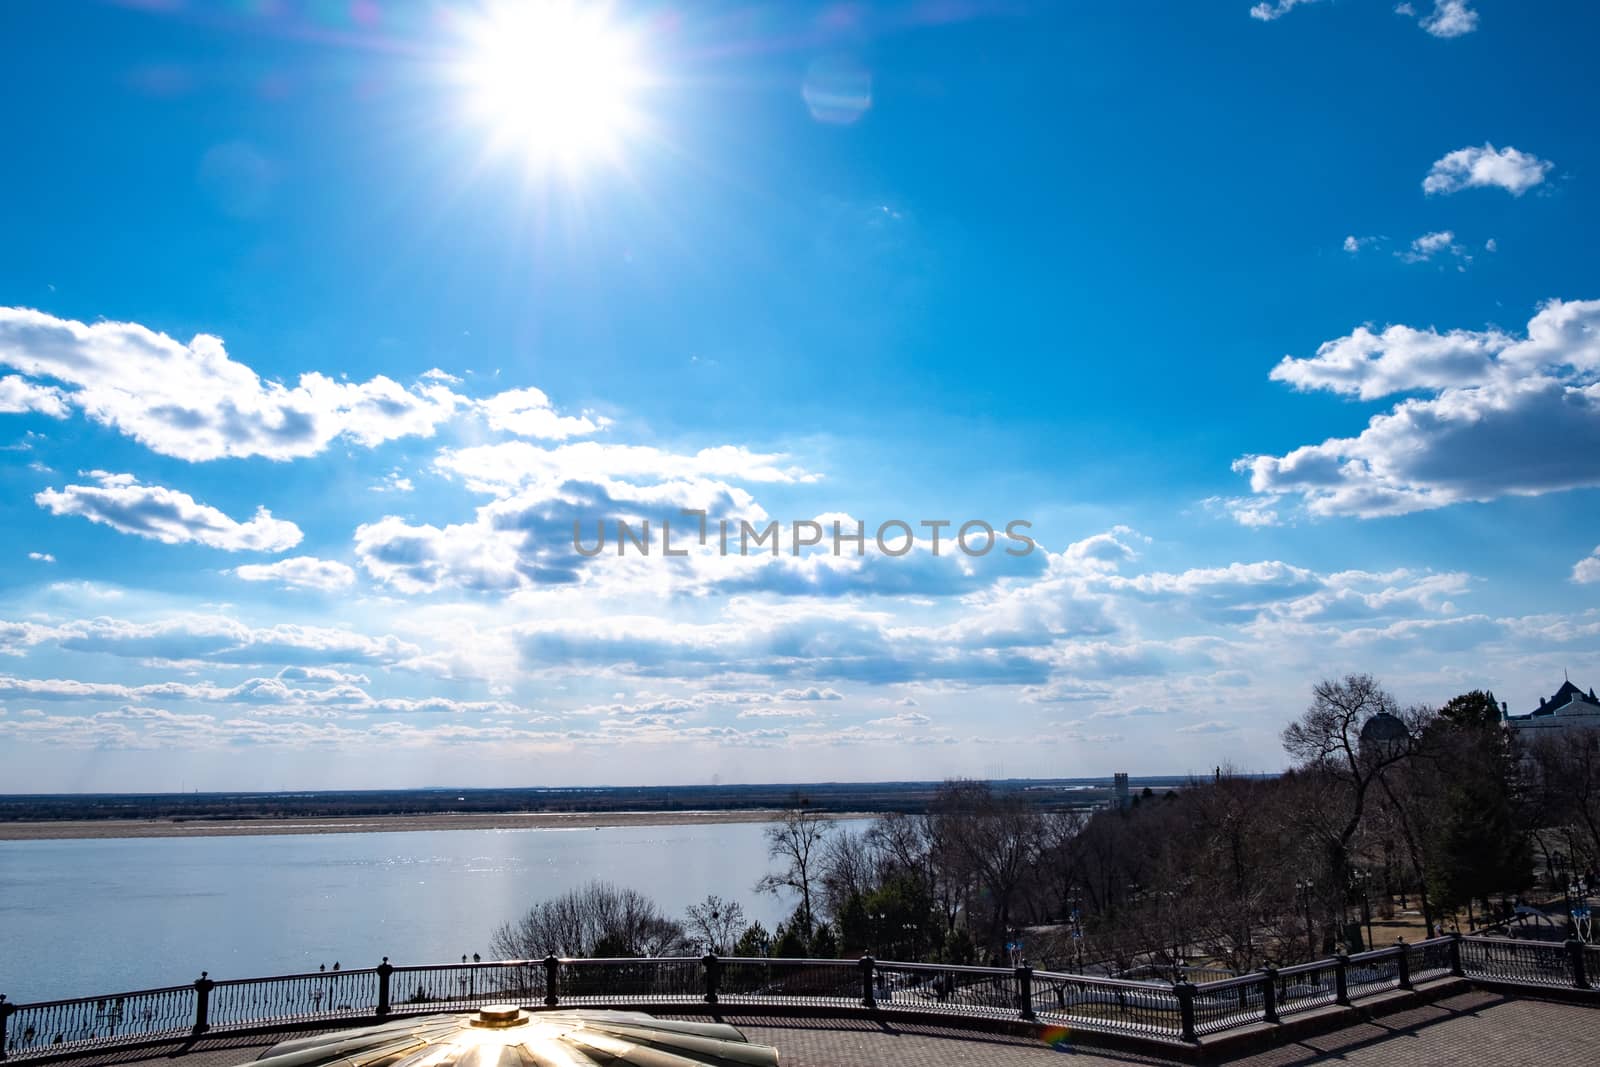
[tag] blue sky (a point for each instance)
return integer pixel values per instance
(1277, 323)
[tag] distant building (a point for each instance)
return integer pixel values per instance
(1120, 796)
(1385, 736)
(1569, 709)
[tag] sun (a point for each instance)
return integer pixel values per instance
(553, 81)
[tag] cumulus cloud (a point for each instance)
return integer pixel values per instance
(193, 401)
(1504, 416)
(167, 515)
(18, 395)
(526, 538)
(1587, 570)
(300, 572)
(1487, 167)
(1450, 18)
(41, 557)
(529, 413)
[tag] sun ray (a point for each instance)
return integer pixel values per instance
(553, 83)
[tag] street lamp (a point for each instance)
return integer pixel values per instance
(1577, 895)
(1360, 882)
(1304, 890)
(1075, 919)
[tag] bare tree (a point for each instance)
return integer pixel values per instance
(716, 923)
(796, 841)
(1566, 788)
(993, 841)
(849, 868)
(1326, 741)
(597, 919)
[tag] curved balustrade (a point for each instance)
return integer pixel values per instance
(1179, 1011)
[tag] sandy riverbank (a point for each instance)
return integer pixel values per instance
(105, 828)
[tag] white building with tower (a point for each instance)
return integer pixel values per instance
(1569, 709)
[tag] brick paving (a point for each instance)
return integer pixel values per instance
(1459, 1031)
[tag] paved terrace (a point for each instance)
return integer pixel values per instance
(1475, 1027)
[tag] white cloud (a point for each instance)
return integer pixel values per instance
(1506, 417)
(213, 638)
(1450, 18)
(300, 572)
(1237, 591)
(195, 402)
(1427, 246)
(18, 395)
(1267, 12)
(1213, 726)
(503, 468)
(167, 515)
(528, 413)
(41, 557)
(1487, 167)
(1491, 245)
(1587, 569)
(394, 482)
(811, 693)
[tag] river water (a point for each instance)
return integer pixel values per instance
(86, 917)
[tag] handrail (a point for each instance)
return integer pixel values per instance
(1162, 1011)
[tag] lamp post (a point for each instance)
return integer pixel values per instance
(1360, 882)
(1303, 892)
(1577, 896)
(1075, 919)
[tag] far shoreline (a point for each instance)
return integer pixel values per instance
(104, 829)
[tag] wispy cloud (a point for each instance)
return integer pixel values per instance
(1267, 12)
(300, 572)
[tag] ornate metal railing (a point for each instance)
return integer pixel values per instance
(1181, 1011)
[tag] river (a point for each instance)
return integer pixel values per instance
(86, 917)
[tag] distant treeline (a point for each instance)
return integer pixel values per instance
(835, 797)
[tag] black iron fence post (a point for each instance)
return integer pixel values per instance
(1025, 992)
(6, 1008)
(552, 977)
(868, 1000)
(713, 975)
(384, 971)
(1403, 962)
(1341, 978)
(1269, 994)
(1455, 954)
(202, 1002)
(1184, 991)
(1580, 970)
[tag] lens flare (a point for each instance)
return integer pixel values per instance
(552, 81)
